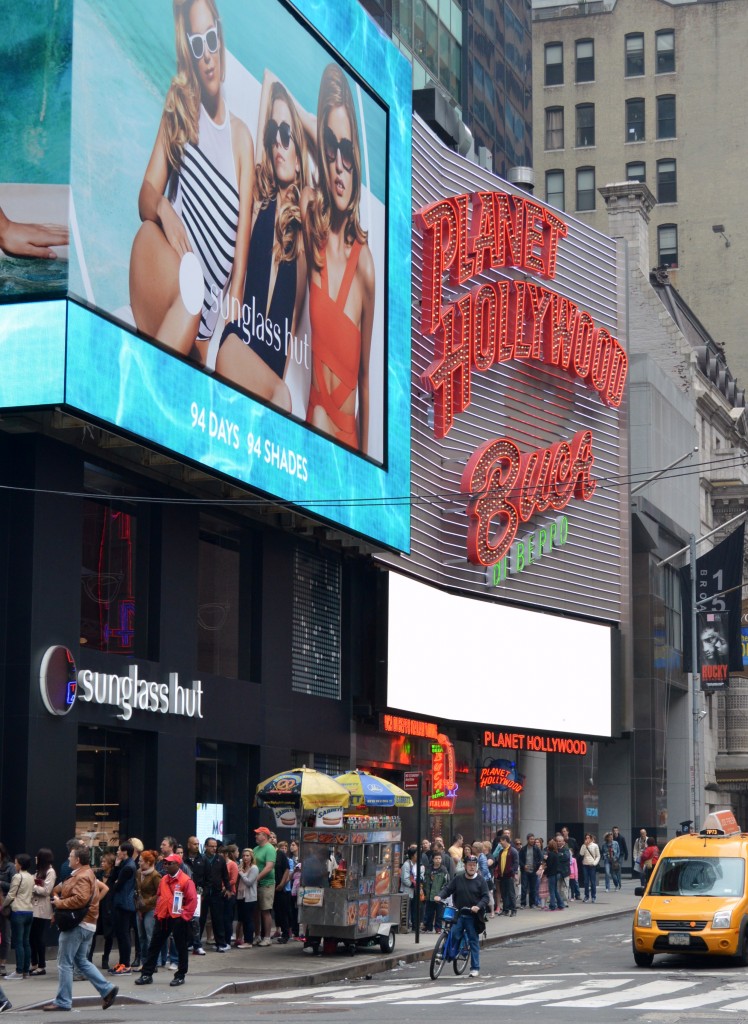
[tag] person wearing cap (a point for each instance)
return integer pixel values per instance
(175, 908)
(264, 854)
(468, 891)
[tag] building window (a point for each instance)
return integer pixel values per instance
(316, 631)
(585, 60)
(634, 54)
(666, 117)
(667, 588)
(586, 124)
(634, 120)
(431, 41)
(585, 188)
(667, 184)
(218, 599)
(636, 171)
(554, 189)
(425, 35)
(667, 245)
(554, 64)
(665, 47)
(554, 128)
(108, 579)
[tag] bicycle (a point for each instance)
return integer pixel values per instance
(444, 950)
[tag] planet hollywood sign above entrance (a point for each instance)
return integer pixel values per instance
(498, 321)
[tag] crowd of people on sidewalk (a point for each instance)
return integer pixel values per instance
(156, 904)
(521, 874)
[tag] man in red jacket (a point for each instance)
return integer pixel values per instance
(175, 907)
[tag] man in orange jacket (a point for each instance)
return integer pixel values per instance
(175, 907)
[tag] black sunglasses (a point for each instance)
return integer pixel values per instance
(333, 144)
(201, 42)
(274, 131)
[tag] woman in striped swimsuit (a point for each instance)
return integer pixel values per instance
(196, 198)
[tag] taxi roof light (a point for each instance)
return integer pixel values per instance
(720, 823)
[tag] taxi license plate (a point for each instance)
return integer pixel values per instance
(679, 939)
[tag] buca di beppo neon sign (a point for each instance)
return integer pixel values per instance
(499, 321)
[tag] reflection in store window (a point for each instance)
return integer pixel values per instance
(107, 579)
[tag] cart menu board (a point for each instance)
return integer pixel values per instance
(350, 838)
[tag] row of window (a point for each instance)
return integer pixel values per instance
(433, 32)
(116, 593)
(666, 185)
(667, 234)
(585, 123)
(634, 62)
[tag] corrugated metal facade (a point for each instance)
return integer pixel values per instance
(533, 404)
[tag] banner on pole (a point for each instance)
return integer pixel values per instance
(719, 577)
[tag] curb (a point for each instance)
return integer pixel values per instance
(378, 966)
(347, 971)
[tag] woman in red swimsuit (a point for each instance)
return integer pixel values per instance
(341, 272)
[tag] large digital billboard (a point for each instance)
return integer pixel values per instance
(462, 659)
(239, 213)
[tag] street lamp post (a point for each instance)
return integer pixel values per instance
(694, 679)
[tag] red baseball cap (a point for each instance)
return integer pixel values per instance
(265, 831)
(173, 858)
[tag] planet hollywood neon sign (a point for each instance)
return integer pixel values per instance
(498, 321)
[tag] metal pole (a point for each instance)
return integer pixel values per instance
(698, 540)
(417, 893)
(695, 683)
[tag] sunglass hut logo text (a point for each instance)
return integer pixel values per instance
(498, 321)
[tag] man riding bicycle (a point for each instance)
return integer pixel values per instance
(469, 892)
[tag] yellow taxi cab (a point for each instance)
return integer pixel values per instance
(696, 900)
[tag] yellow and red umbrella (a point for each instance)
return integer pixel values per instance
(304, 788)
(372, 791)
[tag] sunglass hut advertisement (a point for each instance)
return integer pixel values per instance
(240, 175)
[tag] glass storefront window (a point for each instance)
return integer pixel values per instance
(221, 787)
(103, 774)
(108, 609)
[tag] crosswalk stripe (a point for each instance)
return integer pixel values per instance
(654, 988)
(695, 999)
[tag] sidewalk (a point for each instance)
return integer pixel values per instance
(275, 967)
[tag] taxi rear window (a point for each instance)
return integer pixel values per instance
(699, 876)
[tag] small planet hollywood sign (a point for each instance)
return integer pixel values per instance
(497, 321)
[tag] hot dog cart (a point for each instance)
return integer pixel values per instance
(350, 880)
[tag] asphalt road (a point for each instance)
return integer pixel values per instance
(584, 971)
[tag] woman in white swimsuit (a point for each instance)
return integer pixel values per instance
(196, 198)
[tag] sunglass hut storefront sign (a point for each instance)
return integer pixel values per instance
(498, 321)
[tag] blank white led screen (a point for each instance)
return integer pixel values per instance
(453, 657)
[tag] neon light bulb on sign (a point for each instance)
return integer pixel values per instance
(503, 320)
(506, 487)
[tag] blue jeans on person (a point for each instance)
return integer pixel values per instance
(590, 880)
(610, 873)
(554, 896)
(72, 951)
(145, 931)
(465, 923)
(529, 889)
(168, 952)
(20, 926)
